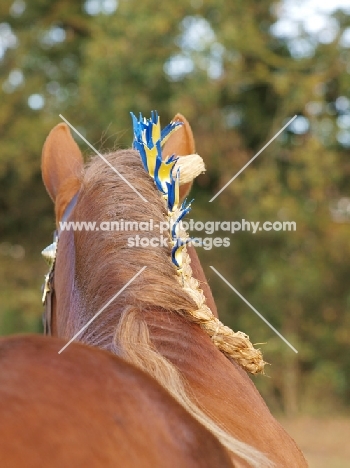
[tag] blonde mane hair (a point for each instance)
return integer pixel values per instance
(104, 263)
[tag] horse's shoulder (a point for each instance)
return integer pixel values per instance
(96, 407)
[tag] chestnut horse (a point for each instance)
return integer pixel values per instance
(88, 408)
(148, 323)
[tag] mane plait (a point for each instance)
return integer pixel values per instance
(148, 141)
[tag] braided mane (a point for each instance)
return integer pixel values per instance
(148, 140)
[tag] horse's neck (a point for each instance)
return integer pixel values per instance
(211, 376)
(220, 387)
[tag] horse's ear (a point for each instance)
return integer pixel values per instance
(61, 164)
(61, 159)
(180, 143)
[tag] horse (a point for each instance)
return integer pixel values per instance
(89, 408)
(164, 322)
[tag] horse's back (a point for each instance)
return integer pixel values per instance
(86, 407)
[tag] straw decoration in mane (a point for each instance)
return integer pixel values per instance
(148, 140)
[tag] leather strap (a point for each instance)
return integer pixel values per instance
(47, 315)
(48, 305)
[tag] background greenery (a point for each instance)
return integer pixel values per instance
(238, 77)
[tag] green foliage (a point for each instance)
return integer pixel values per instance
(219, 64)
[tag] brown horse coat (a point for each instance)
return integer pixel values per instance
(148, 324)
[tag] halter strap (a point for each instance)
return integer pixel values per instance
(68, 210)
(48, 287)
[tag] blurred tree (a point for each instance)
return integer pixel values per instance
(39, 62)
(230, 70)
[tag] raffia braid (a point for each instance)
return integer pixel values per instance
(235, 345)
(190, 167)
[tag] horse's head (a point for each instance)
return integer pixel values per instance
(63, 165)
(66, 178)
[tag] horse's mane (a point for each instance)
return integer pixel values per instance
(105, 263)
(110, 263)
